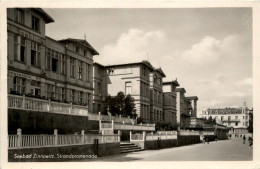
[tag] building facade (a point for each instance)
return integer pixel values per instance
(235, 118)
(156, 95)
(100, 87)
(170, 101)
(133, 79)
(42, 67)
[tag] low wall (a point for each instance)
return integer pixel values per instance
(33, 122)
(63, 153)
(157, 144)
(187, 140)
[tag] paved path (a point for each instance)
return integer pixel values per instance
(226, 150)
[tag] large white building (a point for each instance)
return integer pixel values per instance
(235, 118)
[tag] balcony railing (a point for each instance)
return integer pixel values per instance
(230, 120)
(28, 103)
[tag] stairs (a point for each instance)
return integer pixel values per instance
(129, 147)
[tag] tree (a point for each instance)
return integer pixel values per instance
(120, 105)
(250, 127)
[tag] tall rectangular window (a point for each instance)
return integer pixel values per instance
(72, 67)
(48, 59)
(62, 64)
(54, 61)
(222, 118)
(35, 24)
(98, 88)
(19, 84)
(88, 74)
(128, 88)
(35, 54)
(229, 118)
(62, 94)
(88, 98)
(80, 97)
(35, 88)
(72, 96)
(19, 16)
(19, 48)
(80, 70)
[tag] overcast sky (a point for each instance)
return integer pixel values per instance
(208, 50)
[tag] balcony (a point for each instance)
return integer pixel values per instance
(34, 104)
(230, 120)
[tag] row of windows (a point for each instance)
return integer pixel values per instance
(157, 80)
(145, 113)
(54, 60)
(19, 18)
(229, 117)
(51, 91)
(20, 44)
(157, 96)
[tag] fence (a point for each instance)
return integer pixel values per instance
(25, 141)
(141, 127)
(28, 103)
(137, 137)
(162, 135)
(116, 119)
(189, 133)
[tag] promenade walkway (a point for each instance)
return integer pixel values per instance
(225, 150)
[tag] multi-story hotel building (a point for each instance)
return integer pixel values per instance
(156, 95)
(235, 118)
(43, 67)
(169, 101)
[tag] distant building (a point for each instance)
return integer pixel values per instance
(235, 118)
(169, 101)
(186, 108)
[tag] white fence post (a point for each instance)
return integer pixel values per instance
(82, 136)
(19, 140)
(49, 105)
(71, 109)
(144, 135)
(119, 134)
(55, 137)
(23, 104)
(99, 116)
(130, 135)
(113, 125)
(103, 133)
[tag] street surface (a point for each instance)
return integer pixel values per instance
(225, 150)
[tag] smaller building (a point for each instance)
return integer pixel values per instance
(237, 119)
(169, 101)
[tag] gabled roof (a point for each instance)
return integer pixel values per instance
(159, 70)
(175, 82)
(82, 42)
(144, 62)
(45, 16)
(180, 90)
(192, 98)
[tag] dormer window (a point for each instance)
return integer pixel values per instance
(85, 53)
(35, 24)
(19, 16)
(77, 49)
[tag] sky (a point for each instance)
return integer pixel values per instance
(208, 50)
